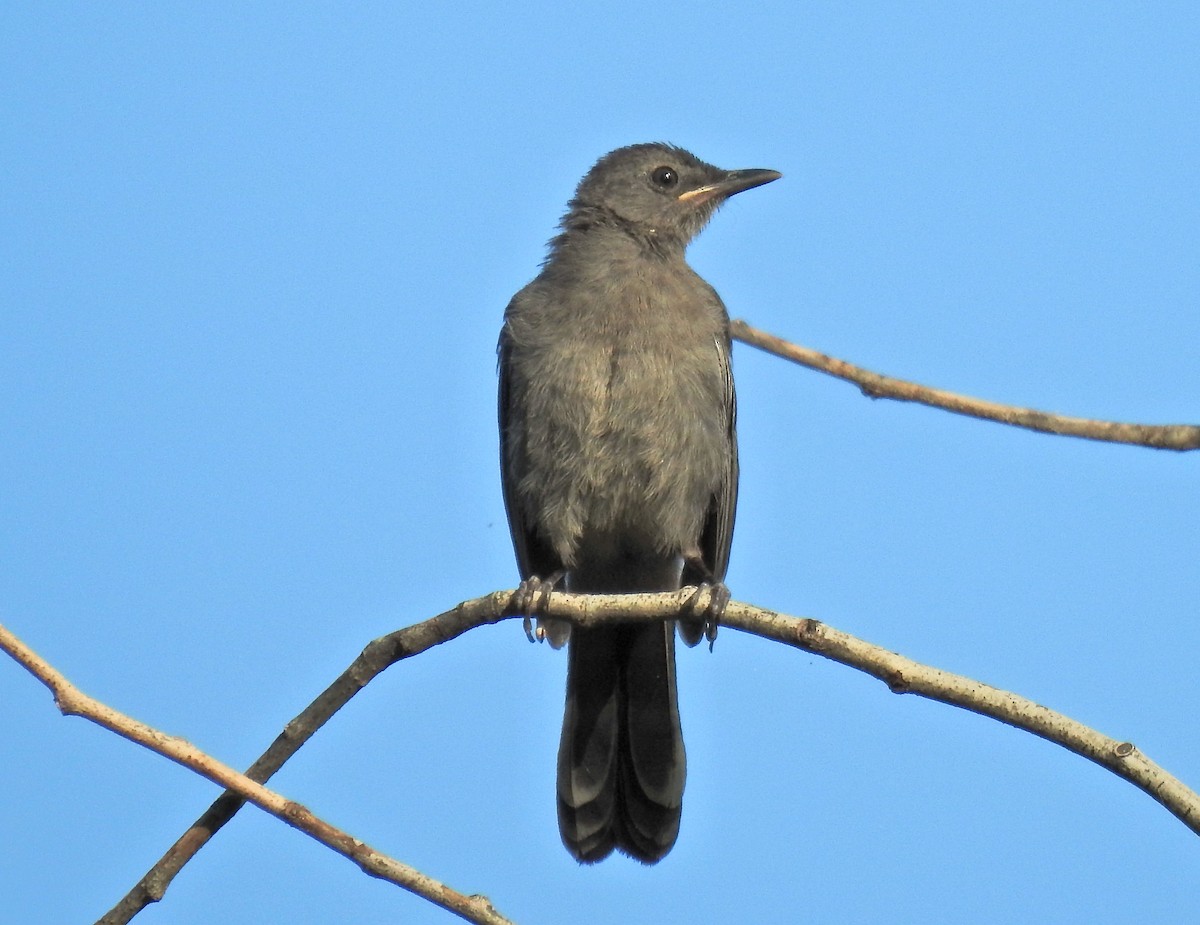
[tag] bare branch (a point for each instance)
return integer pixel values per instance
(73, 702)
(874, 385)
(902, 675)
(377, 656)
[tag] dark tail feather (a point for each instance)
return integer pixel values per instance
(587, 751)
(621, 763)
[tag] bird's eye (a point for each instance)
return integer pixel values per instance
(666, 177)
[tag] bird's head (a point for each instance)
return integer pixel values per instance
(658, 190)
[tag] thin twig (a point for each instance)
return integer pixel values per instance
(874, 385)
(73, 702)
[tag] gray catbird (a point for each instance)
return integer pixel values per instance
(619, 462)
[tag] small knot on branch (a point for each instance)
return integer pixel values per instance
(897, 683)
(809, 633)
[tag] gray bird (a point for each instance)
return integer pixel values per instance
(619, 462)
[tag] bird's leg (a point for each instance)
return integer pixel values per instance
(533, 595)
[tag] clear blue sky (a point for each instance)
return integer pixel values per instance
(254, 264)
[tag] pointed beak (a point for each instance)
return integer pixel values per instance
(736, 181)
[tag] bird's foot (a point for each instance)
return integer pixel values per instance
(707, 606)
(533, 595)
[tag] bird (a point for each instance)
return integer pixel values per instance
(619, 467)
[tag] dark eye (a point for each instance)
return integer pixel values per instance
(666, 177)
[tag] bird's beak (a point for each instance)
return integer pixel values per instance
(736, 181)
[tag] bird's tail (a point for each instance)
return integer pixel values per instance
(621, 762)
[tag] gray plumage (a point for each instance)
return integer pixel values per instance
(619, 463)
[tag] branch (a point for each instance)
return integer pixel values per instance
(902, 675)
(72, 702)
(377, 656)
(874, 385)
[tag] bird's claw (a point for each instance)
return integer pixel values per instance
(707, 605)
(532, 599)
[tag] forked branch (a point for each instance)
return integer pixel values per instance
(73, 702)
(902, 675)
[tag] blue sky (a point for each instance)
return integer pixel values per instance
(253, 270)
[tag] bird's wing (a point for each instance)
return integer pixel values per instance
(534, 558)
(717, 535)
